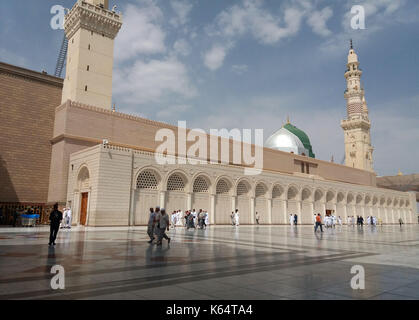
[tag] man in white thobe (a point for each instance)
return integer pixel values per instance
(68, 218)
(291, 220)
(237, 218)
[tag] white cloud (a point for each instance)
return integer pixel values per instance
(141, 32)
(379, 14)
(251, 18)
(182, 8)
(153, 81)
(240, 68)
(318, 19)
(214, 58)
(182, 47)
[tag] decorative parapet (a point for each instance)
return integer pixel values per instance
(356, 122)
(73, 104)
(93, 18)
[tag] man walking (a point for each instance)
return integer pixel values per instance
(162, 224)
(318, 223)
(150, 227)
(55, 219)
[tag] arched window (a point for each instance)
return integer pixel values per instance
(200, 185)
(242, 189)
(222, 187)
(147, 180)
(175, 183)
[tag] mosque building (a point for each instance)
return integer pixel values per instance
(103, 162)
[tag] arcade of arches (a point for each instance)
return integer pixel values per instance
(220, 190)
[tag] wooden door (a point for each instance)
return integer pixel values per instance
(83, 208)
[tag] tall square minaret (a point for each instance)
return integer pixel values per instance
(90, 28)
(358, 149)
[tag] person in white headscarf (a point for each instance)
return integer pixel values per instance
(291, 220)
(237, 218)
(64, 221)
(340, 221)
(206, 219)
(68, 218)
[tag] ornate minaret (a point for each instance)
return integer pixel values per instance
(358, 149)
(90, 28)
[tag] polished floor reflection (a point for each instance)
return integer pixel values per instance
(222, 262)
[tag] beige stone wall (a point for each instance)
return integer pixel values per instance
(79, 126)
(27, 103)
(116, 200)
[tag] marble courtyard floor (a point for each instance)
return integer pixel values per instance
(222, 262)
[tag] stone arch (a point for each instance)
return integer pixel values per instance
(261, 202)
(201, 183)
(223, 202)
(340, 197)
(243, 187)
(244, 192)
(367, 199)
(177, 181)
(261, 190)
(84, 187)
(279, 210)
(374, 200)
(389, 201)
(277, 191)
(350, 198)
(201, 188)
(292, 192)
(359, 199)
(382, 201)
(147, 185)
(330, 196)
(223, 185)
(83, 178)
(318, 195)
(306, 194)
(177, 187)
(401, 202)
(148, 178)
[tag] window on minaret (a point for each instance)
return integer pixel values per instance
(85, 88)
(89, 47)
(88, 68)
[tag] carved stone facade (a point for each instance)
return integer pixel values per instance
(125, 183)
(358, 149)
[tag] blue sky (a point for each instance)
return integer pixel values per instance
(250, 64)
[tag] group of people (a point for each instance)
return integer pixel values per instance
(190, 219)
(330, 221)
(66, 222)
(293, 219)
(235, 218)
(158, 223)
(359, 221)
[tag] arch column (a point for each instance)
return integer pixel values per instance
(252, 210)
(233, 203)
(284, 208)
(212, 212)
(269, 201)
(131, 215)
(189, 201)
(345, 213)
(162, 199)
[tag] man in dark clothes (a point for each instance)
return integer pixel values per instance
(55, 219)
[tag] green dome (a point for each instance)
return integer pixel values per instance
(302, 136)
